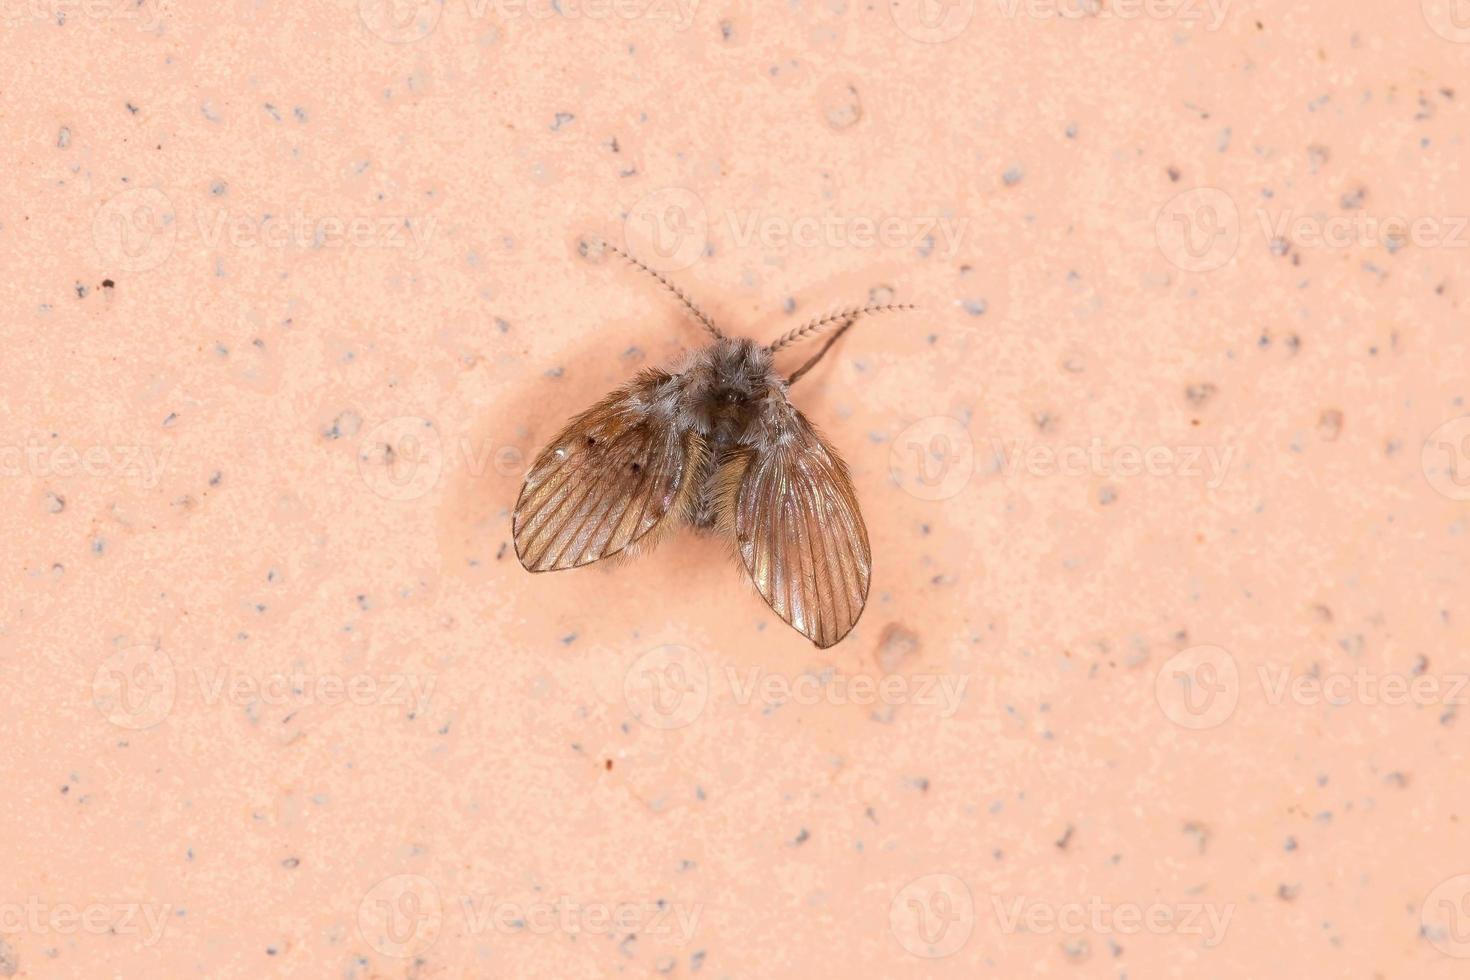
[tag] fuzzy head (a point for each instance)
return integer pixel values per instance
(729, 386)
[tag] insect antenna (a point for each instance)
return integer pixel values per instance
(698, 314)
(795, 375)
(813, 327)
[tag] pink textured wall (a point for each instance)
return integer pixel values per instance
(1163, 671)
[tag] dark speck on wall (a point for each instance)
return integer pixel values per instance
(346, 424)
(1199, 395)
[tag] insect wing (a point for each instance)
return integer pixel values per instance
(800, 533)
(609, 478)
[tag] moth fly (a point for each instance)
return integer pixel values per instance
(715, 443)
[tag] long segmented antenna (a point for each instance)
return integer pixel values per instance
(688, 303)
(796, 375)
(797, 334)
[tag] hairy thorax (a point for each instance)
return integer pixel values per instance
(733, 397)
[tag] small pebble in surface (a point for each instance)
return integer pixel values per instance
(895, 646)
(1199, 394)
(843, 109)
(1329, 424)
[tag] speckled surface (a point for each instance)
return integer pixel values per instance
(1164, 666)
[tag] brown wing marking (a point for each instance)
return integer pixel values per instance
(609, 478)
